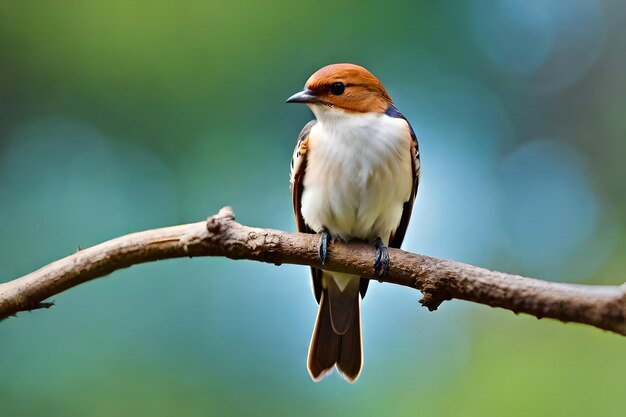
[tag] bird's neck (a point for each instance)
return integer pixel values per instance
(336, 120)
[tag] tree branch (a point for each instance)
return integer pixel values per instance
(439, 280)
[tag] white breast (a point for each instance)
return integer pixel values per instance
(358, 174)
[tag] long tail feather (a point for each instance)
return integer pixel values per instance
(350, 359)
(324, 348)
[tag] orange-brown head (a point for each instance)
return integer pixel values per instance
(345, 86)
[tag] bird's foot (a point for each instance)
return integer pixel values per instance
(323, 249)
(381, 260)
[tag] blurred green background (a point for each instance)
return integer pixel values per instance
(120, 116)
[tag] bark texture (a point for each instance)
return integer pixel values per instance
(438, 279)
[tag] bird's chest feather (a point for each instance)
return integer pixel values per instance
(358, 176)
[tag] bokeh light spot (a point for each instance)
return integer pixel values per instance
(548, 207)
(550, 44)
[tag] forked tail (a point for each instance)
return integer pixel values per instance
(337, 336)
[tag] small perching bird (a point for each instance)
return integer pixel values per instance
(354, 175)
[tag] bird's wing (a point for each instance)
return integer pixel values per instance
(397, 236)
(298, 170)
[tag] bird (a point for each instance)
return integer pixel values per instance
(354, 176)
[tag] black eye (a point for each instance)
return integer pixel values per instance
(337, 88)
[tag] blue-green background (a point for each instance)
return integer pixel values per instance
(119, 116)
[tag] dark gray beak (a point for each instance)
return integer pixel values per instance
(304, 96)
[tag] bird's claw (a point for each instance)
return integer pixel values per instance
(323, 249)
(381, 260)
